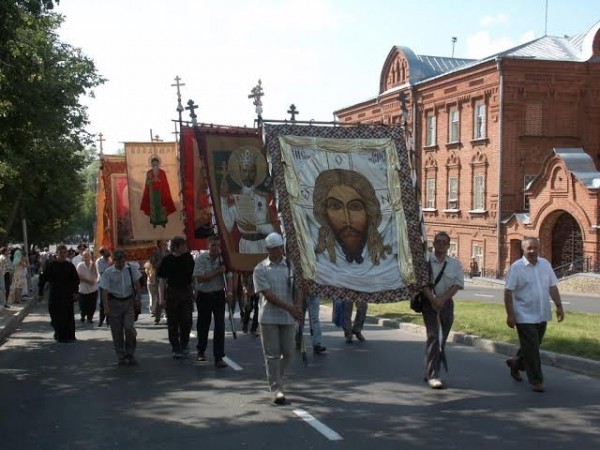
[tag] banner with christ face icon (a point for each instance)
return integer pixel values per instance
(349, 210)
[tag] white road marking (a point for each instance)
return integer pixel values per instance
(231, 364)
(317, 425)
(483, 295)
(192, 334)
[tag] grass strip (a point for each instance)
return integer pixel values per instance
(577, 335)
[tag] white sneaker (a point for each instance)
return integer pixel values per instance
(279, 398)
(435, 383)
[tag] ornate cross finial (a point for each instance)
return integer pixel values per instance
(192, 109)
(156, 138)
(100, 140)
(179, 105)
(256, 93)
(293, 111)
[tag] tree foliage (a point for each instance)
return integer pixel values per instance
(42, 122)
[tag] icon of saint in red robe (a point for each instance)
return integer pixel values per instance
(157, 202)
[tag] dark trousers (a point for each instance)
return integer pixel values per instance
(87, 305)
(359, 318)
(7, 286)
(528, 355)
(211, 304)
(433, 350)
(122, 328)
(62, 317)
(101, 314)
(180, 307)
(246, 310)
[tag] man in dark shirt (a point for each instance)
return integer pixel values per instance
(64, 286)
(175, 293)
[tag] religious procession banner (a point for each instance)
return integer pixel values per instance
(115, 225)
(349, 210)
(199, 223)
(156, 207)
(101, 214)
(241, 193)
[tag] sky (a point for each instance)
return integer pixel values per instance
(320, 55)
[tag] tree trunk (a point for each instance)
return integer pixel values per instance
(11, 217)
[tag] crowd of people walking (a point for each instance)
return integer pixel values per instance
(176, 279)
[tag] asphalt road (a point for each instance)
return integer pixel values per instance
(572, 302)
(359, 396)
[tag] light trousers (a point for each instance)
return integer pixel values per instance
(278, 351)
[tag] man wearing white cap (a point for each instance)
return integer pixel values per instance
(274, 281)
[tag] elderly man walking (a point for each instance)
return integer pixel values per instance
(121, 295)
(529, 285)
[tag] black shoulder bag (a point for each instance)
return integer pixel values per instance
(416, 303)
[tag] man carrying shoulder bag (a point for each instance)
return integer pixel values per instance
(438, 306)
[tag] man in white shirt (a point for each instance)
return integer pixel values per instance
(120, 294)
(447, 277)
(529, 284)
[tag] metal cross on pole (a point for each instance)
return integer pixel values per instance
(179, 105)
(192, 109)
(176, 132)
(293, 111)
(256, 93)
(100, 140)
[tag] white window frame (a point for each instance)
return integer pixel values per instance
(453, 249)
(479, 192)
(478, 254)
(453, 126)
(479, 121)
(453, 193)
(430, 138)
(430, 193)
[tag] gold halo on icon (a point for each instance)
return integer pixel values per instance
(234, 165)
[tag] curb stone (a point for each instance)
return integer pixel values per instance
(567, 362)
(14, 320)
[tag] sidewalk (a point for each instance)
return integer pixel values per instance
(11, 318)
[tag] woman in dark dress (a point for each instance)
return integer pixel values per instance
(64, 284)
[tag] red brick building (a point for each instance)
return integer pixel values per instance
(506, 147)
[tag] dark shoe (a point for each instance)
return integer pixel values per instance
(538, 387)
(318, 349)
(156, 322)
(201, 356)
(298, 345)
(82, 319)
(348, 339)
(177, 355)
(122, 362)
(100, 323)
(279, 398)
(185, 352)
(131, 361)
(90, 321)
(359, 336)
(245, 329)
(220, 364)
(514, 371)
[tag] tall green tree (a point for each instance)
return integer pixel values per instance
(42, 121)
